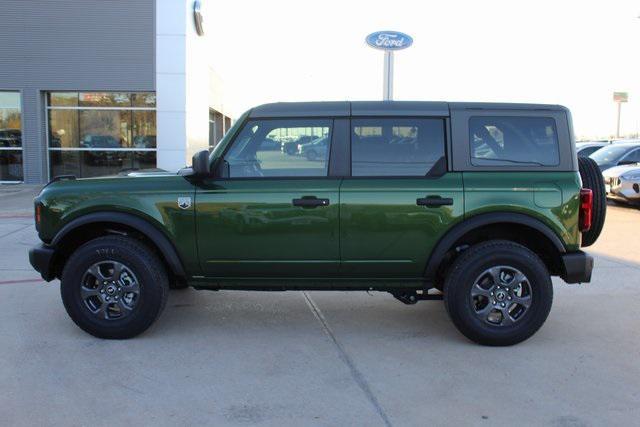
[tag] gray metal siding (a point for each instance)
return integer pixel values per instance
(85, 45)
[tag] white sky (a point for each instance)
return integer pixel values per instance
(574, 53)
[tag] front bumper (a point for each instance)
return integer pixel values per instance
(577, 267)
(621, 189)
(41, 258)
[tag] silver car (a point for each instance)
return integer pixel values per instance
(622, 183)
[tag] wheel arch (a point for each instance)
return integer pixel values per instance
(517, 227)
(89, 226)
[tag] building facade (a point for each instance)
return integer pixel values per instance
(93, 87)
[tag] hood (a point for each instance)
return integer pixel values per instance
(147, 173)
(616, 171)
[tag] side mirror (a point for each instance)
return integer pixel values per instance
(200, 163)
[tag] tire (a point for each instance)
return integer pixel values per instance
(136, 296)
(477, 321)
(312, 155)
(592, 178)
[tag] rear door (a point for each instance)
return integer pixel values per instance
(400, 198)
(272, 212)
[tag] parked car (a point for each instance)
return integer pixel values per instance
(622, 183)
(617, 154)
(10, 138)
(315, 150)
(291, 147)
(481, 217)
(585, 149)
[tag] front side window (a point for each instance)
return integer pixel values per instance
(101, 133)
(10, 137)
(396, 147)
(513, 141)
(280, 148)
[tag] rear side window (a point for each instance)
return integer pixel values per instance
(396, 147)
(513, 141)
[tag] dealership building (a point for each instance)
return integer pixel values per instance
(94, 87)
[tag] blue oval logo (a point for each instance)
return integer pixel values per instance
(389, 40)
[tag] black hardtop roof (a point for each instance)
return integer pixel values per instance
(384, 108)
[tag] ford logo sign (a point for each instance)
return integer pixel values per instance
(389, 40)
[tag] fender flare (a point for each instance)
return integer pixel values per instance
(152, 232)
(481, 220)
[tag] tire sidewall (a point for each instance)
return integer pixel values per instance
(150, 300)
(459, 302)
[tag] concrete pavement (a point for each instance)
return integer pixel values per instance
(319, 358)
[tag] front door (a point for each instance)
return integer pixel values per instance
(399, 200)
(274, 211)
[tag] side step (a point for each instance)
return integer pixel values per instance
(411, 297)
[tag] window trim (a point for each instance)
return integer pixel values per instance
(21, 148)
(330, 159)
(447, 143)
(47, 108)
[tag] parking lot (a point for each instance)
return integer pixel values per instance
(319, 358)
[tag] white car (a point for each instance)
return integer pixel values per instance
(622, 183)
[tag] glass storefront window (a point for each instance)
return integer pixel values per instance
(105, 133)
(10, 137)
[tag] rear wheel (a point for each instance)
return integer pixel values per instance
(498, 293)
(114, 287)
(592, 179)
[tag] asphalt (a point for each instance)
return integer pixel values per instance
(319, 358)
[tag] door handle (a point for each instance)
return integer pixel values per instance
(310, 202)
(434, 201)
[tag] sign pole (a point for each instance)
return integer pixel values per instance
(387, 90)
(618, 120)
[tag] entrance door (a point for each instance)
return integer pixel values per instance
(274, 211)
(400, 199)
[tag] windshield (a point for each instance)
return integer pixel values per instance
(609, 154)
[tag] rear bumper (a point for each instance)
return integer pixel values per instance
(41, 258)
(577, 267)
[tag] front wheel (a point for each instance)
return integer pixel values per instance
(498, 293)
(114, 287)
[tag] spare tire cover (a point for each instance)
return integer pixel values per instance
(592, 179)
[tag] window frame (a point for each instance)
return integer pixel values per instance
(436, 175)
(461, 151)
(78, 108)
(623, 158)
(333, 166)
(21, 148)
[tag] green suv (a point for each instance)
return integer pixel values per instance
(477, 204)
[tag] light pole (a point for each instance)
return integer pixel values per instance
(388, 41)
(619, 98)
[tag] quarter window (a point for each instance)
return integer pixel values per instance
(396, 147)
(527, 141)
(280, 148)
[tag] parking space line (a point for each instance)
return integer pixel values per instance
(344, 356)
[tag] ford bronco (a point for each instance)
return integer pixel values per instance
(477, 204)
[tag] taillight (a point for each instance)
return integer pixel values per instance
(586, 209)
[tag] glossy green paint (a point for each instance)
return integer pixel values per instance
(150, 196)
(249, 228)
(384, 233)
(551, 197)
